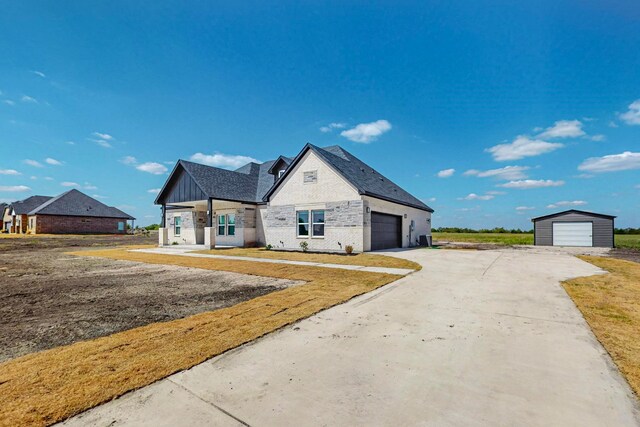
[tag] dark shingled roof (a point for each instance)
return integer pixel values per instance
(25, 206)
(224, 184)
(76, 203)
(253, 182)
(367, 180)
(553, 215)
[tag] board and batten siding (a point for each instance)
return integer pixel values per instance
(602, 229)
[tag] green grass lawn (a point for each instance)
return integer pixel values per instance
(622, 240)
(496, 238)
(631, 241)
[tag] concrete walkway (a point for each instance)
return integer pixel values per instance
(188, 252)
(476, 338)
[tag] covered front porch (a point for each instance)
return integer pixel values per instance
(208, 224)
(203, 205)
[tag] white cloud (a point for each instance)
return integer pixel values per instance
(48, 178)
(632, 117)
(332, 126)
(29, 100)
(104, 136)
(33, 177)
(129, 160)
(103, 139)
(567, 203)
(525, 208)
(564, 129)
(88, 186)
(522, 147)
(39, 73)
(153, 191)
(584, 176)
(69, 184)
(70, 143)
(367, 132)
(34, 163)
(9, 102)
(9, 172)
(446, 173)
(52, 161)
(612, 162)
(496, 193)
(97, 196)
(14, 188)
(506, 173)
(474, 196)
(526, 184)
(599, 137)
(152, 168)
(220, 160)
(433, 199)
(103, 143)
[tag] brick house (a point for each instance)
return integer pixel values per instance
(325, 197)
(15, 219)
(71, 212)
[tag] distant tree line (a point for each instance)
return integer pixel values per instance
(627, 230)
(152, 227)
(482, 230)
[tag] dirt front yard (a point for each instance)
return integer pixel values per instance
(49, 298)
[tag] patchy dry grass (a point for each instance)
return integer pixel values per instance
(42, 388)
(368, 260)
(611, 305)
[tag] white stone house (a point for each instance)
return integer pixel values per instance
(324, 196)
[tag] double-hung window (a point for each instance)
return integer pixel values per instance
(303, 223)
(222, 225)
(231, 225)
(317, 223)
(177, 225)
(310, 223)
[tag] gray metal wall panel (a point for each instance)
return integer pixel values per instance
(183, 189)
(602, 229)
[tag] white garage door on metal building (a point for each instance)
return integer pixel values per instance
(573, 234)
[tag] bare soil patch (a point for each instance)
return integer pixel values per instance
(49, 386)
(49, 298)
(626, 254)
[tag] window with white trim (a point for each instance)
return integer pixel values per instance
(310, 223)
(303, 223)
(317, 223)
(177, 225)
(231, 225)
(280, 173)
(222, 224)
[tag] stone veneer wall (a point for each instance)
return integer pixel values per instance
(343, 226)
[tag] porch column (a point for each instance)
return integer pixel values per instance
(210, 230)
(163, 233)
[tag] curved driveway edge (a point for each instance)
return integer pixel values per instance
(474, 338)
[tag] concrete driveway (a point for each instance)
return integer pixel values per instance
(475, 338)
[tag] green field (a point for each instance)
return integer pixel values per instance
(622, 240)
(631, 241)
(496, 238)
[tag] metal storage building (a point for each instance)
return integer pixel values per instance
(574, 228)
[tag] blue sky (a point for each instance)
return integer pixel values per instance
(490, 112)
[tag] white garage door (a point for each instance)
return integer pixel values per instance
(572, 234)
